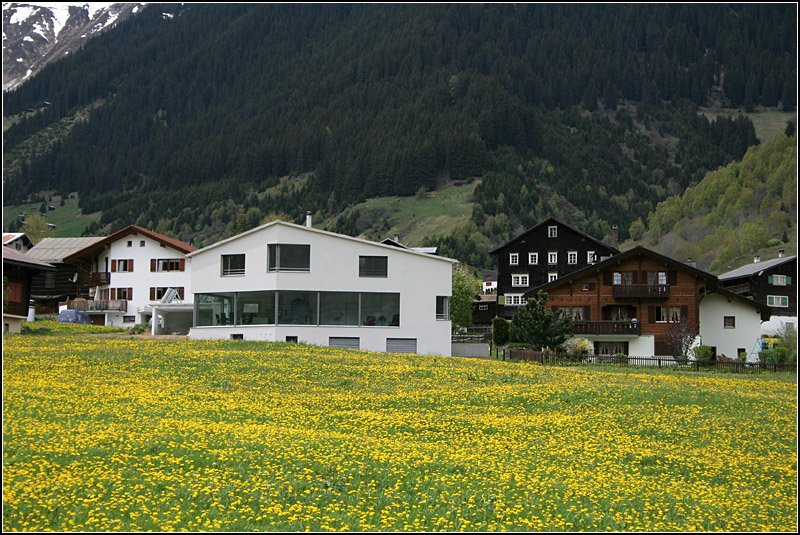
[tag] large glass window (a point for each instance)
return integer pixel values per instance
(213, 309)
(297, 308)
(285, 257)
(255, 308)
(232, 264)
(380, 309)
(338, 308)
(373, 266)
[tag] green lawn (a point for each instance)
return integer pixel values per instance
(135, 434)
(412, 218)
(68, 219)
(767, 122)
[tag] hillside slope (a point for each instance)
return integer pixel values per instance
(588, 113)
(745, 208)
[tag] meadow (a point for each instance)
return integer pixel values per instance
(127, 433)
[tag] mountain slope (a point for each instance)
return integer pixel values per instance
(745, 208)
(587, 113)
(38, 33)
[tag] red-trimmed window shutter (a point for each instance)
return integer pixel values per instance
(651, 313)
(152, 294)
(180, 290)
(182, 267)
(152, 264)
(113, 292)
(113, 266)
(130, 292)
(130, 264)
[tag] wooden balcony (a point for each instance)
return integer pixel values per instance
(641, 291)
(632, 328)
(89, 305)
(740, 289)
(88, 280)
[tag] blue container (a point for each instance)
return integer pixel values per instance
(74, 316)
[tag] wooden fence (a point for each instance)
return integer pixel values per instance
(560, 359)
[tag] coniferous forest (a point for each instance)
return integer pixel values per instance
(189, 113)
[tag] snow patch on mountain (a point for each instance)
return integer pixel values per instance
(37, 33)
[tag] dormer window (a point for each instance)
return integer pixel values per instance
(552, 231)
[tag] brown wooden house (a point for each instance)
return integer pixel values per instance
(636, 302)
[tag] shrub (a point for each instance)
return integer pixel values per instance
(703, 354)
(578, 346)
(500, 331)
(139, 328)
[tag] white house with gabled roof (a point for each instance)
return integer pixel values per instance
(287, 282)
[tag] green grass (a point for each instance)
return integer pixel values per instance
(69, 220)
(135, 434)
(438, 212)
(767, 122)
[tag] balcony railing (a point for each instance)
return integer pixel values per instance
(88, 305)
(608, 327)
(740, 289)
(95, 279)
(641, 291)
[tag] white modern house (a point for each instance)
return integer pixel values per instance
(287, 282)
(133, 276)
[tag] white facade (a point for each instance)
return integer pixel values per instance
(391, 308)
(730, 326)
(778, 325)
(155, 267)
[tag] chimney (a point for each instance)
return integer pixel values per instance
(756, 259)
(781, 253)
(614, 235)
(691, 263)
(396, 238)
(308, 219)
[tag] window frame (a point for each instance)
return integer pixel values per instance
(552, 231)
(513, 259)
(728, 322)
(519, 280)
(517, 300)
(552, 258)
(381, 272)
(782, 301)
(232, 272)
(443, 308)
(277, 257)
(535, 259)
(572, 257)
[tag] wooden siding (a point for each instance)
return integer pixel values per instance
(590, 291)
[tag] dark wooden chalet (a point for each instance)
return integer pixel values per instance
(18, 269)
(541, 254)
(771, 282)
(48, 289)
